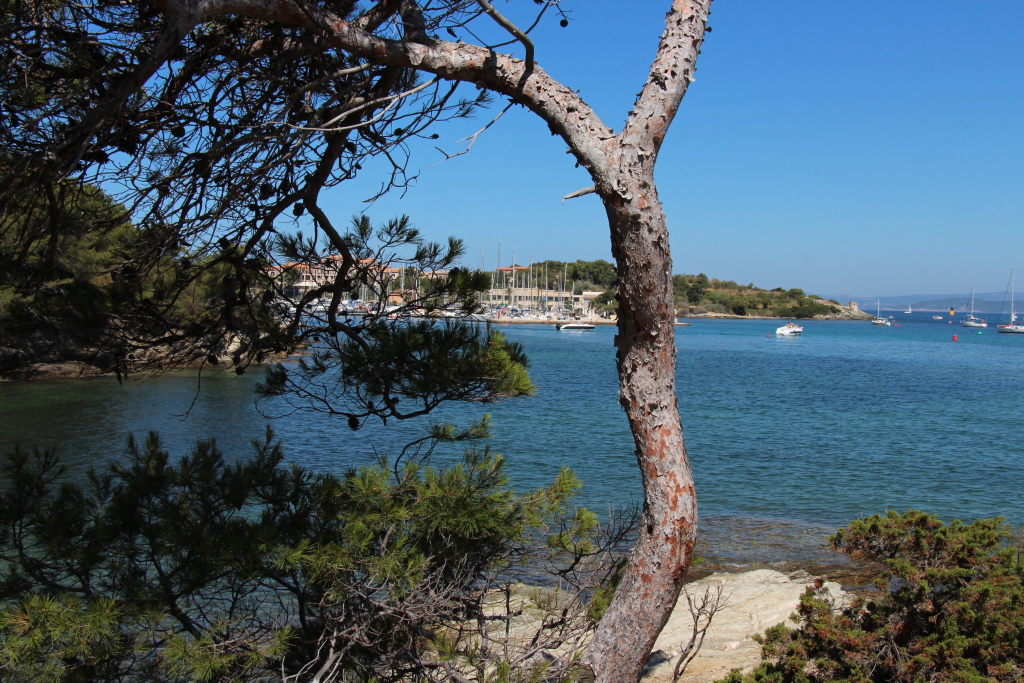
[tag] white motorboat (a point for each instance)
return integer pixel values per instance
(789, 330)
(574, 326)
(936, 317)
(878, 319)
(969, 320)
(1011, 328)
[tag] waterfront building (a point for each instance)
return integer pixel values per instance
(536, 299)
(303, 277)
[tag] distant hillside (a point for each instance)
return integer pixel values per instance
(958, 302)
(989, 302)
(699, 295)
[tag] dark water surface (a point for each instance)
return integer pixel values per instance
(789, 437)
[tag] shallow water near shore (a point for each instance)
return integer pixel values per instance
(789, 437)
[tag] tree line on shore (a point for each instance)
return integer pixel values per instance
(697, 294)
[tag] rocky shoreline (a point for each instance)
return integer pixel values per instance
(757, 597)
(845, 313)
(754, 601)
(56, 370)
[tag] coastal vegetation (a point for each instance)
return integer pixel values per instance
(698, 294)
(210, 569)
(948, 606)
(78, 293)
(64, 281)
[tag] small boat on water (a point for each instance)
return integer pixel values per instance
(574, 326)
(1012, 327)
(969, 320)
(936, 317)
(878, 319)
(789, 330)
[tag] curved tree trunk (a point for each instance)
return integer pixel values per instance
(646, 356)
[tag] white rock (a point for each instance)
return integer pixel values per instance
(755, 600)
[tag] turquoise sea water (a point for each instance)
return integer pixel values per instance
(789, 437)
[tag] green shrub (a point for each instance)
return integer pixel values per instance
(204, 569)
(950, 608)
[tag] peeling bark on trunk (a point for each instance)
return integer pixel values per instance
(646, 355)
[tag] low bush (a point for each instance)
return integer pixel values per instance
(950, 608)
(255, 570)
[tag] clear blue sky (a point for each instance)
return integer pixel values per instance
(869, 147)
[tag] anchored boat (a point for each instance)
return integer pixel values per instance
(878, 319)
(969, 320)
(1012, 328)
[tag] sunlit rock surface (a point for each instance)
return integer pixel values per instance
(755, 601)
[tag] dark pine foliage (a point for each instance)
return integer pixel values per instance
(202, 569)
(950, 608)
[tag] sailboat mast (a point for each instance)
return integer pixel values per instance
(565, 274)
(513, 278)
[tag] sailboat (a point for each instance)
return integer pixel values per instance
(878, 319)
(1012, 328)
(970, 320)
(908, 309)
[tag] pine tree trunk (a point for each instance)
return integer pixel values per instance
(646, 356)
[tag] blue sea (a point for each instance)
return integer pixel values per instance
(789, 438)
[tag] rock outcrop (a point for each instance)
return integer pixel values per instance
(755, 601)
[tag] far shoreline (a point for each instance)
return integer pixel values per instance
(679, 320)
